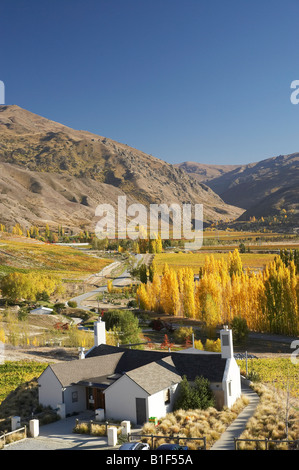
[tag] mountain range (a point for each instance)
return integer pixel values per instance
(262, 189)
(52, 174)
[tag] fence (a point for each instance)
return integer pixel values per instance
(9, 437)
(90, 423)
(177, 439)
(269, 444)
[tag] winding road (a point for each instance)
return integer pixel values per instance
(122, 280)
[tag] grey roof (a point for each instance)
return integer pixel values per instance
(86, 370)
(150, 369)
(210, 365)
(155, 376)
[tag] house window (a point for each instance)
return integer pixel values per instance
(230, 388)
(167, 396)
(74, 397)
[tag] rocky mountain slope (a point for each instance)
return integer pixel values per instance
(203, 172)
(262, 188)
(50, 173)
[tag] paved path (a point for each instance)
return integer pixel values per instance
(226, 441)
(59, 436)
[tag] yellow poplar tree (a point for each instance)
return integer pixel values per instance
(235, 263)
(142, 297)
(185, 278)
(170, 296)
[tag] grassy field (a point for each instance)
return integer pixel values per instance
(23, 255)
(254, 261)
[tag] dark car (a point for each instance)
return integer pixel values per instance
(172, 447)
(134, 446)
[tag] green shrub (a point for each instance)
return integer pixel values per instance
(196, 396)
(124, 324)
(240, 329)
(58, 307)
(182, 334)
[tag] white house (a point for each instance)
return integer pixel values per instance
(134, 385)
(144, 392)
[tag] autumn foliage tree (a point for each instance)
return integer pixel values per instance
(281, 297)
(267, 300)
(17, 286)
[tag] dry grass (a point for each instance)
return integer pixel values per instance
(16, 436)
(269, 420)
(92, 429)
(209, 423)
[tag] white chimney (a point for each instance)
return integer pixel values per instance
(226, 338)
(99, 332)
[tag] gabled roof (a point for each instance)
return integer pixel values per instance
(152, 370)
(155, 376)
(92, 370)
(210, 365)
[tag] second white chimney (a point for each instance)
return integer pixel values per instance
(226, 338)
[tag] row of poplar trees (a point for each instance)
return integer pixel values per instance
(268, 300)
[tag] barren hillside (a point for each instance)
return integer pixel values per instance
(50, 172)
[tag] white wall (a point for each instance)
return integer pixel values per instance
(75, 406)
(51, 392)
(231, 382)
(156, 403)
(120, 399)
(50, 389)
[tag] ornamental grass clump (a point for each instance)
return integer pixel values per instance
(190, 424)
(276, 418)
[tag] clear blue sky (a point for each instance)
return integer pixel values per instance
(199, 80)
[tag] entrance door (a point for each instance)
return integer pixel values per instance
(99, 398)
(89, 398)
(95, 398)
(141, 410)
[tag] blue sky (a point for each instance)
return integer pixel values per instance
(199, 80)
